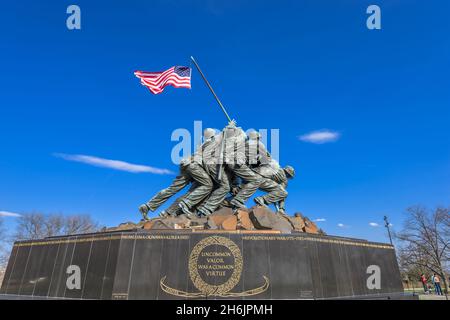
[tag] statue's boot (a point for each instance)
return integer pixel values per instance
(144, 209)
(164, 214)
(203, 213)
(237, 205)
(260, 201)
(226, 203)
(185, 209)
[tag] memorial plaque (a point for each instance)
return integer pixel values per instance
(200, 265)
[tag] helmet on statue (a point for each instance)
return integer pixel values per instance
(254, 135)
(289, 171)
(208, 133)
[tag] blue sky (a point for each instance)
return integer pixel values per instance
(296, 66)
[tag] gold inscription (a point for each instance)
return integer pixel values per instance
(215, 267)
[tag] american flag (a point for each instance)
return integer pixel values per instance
(179, 77)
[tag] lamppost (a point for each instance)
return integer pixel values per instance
(387, 225)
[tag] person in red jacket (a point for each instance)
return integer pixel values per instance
(423, 279)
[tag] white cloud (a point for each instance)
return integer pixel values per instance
(320, 136)
(111, 164)
(9, 214)
(373, 224)
(341, 225)
(320, 220)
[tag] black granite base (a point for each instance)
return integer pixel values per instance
(201, 265)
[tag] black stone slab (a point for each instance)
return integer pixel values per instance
(177, 264)
(9, 268)
(81, 257)
(327, 269)
(17, 271)
(300, 269)
(66, 262)
(110, 268)
(57, 270)
(283, 274)
(357, 269)
(194, 239)
(257, 266)
(342, 272)
(314, 262)
(31, 274)
(44, 274)
(389, 278)
(95, 271)
(145, 273)
(124, 266)
(237, 239)
(171, 268)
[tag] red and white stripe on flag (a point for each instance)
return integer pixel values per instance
(178, 77)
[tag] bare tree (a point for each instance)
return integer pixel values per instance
(79, 224)
(38, 225)
(2, 231)
(425, 241)
(3, 253)
(410, 272)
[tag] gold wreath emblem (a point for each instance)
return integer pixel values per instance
(197, 280)
(207, 289)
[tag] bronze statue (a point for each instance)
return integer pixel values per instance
(190, 171)
(228, 163)
(275, 184)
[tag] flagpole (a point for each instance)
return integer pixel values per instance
(211, 89)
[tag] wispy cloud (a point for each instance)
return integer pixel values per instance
(373, 224)
(320, 136)
(341, 225)
(111, 164)
(320, 220)
(9, 214)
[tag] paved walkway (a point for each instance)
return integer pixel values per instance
(423, 296)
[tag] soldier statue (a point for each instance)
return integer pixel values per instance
(190, 172)
(226, 163)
